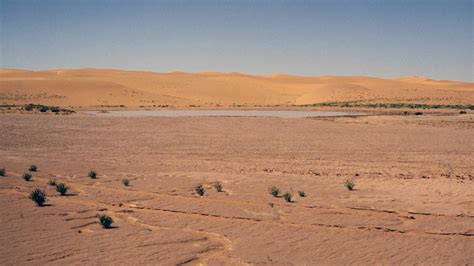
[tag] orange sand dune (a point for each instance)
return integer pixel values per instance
(102, 87)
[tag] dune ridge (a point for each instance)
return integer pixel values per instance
(89, 87)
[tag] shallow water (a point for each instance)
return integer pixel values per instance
(220, 113)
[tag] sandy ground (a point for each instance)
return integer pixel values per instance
(413, 203)
(108, 87)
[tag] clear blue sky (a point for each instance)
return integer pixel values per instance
(432, 38)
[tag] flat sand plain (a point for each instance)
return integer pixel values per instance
(413, 202)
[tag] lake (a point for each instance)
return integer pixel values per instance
(220, 113)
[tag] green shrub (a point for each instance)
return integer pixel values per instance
(38, 196)
(274, 191)
(52, 182)
(302, 194)
(33, 168)
(44, 108)
(218, 186)
(2, 171)
(93, 174)
(392, 105)
(125, 182)
(30, 107)
(200, 190)
(62, 189)
(105, 220)
(288, 197)
(27, 176)
(349, 185)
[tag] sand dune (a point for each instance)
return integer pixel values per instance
(105, 87)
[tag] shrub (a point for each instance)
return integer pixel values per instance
(105, 220)
(33, 168)
(29, 107)
(55, 109)
(2, 171)
(418, 113)
(27, 176)
(200, 190)
(349, 185)
(125, 182)
(62, 189)
(288, 197)
(38, 196)
(93, 174)
(218, 186)
(302, 194)
(462, 112)
(43, 108)
(274, 191)
(52, 182)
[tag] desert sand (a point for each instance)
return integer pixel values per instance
(413, 201)
(109, 87)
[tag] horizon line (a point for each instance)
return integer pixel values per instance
(235, 73)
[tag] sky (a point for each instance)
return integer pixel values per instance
(430, 38)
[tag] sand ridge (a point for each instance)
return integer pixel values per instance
(108, 87)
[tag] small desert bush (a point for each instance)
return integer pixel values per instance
(302, 194)
(43, 108)
(62, 189)
(218, 186)
(349, 185)
(200, 190)
(33, 168)
(52, 182)
(462, 112)
(392, 105)
(418, 113)
(125, 182)
(105, 221)
(288, 197)
(27, 176)
(38, 196)
(29, 107)
(93, 174)
(274, 191)
(2, 171)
